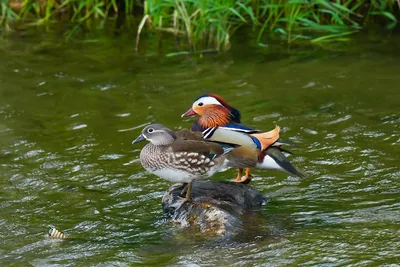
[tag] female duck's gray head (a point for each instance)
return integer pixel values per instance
(157, 134)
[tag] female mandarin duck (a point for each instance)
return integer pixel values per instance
(181, 157)
(221, 122)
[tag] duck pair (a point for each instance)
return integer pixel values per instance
(217, 141)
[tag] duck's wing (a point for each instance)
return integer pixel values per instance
(189, 135)
(238, 127)
(219, 134)
(207, 148)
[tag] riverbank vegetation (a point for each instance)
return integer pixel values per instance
(199, 24)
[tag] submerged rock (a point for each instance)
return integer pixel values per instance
(218, 206)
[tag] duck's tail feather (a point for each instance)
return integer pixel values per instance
(275, 159)
(267, 139)
(286, 151)
(282, 143)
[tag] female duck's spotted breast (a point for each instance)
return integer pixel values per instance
(153, 157)
(179, 166)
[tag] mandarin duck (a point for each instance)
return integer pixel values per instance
(182, 156)
(221, 122)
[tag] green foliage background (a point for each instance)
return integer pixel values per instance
(209, 23)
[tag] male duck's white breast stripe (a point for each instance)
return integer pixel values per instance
(208, 133)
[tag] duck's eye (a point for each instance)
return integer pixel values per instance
(200, 104)
(150, 130)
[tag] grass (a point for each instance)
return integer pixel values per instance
(206, 23)
(201, 24)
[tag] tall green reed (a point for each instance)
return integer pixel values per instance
(46, 12)
(198, 24)
(322, 20)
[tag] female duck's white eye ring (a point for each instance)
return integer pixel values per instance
(150, 130)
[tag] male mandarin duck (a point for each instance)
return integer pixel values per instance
(220, 122)
(181, 156)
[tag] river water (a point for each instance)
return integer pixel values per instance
(69, 112)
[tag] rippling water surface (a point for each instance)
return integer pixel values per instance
(68, 115)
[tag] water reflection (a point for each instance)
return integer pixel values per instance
(68, 117)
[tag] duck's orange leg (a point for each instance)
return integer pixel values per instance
(239, 176)
(247, 178)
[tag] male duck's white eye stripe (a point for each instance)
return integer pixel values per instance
(208, 100)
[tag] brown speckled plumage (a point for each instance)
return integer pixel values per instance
(159, 157)
(181, 156)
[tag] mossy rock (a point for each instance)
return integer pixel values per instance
(216, 208)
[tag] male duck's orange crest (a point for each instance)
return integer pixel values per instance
(221, 100)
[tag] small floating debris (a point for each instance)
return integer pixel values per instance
(80, 126)
(123, 114)
(110, 156)
(134, 128)
(54, 233)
